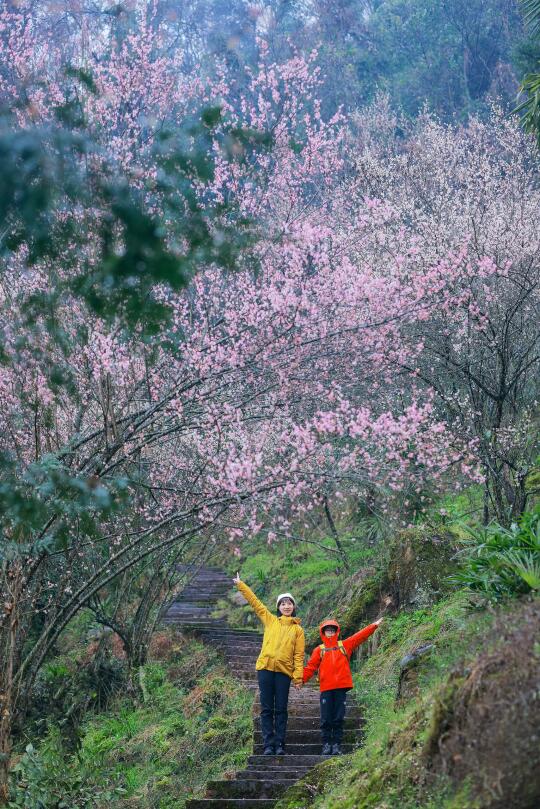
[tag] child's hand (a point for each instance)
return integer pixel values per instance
(379, 621)
(237, 578)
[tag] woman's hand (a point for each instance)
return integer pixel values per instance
(378, 621)
(298, 685)
(237, 578)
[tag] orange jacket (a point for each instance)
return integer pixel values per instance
(334, 668)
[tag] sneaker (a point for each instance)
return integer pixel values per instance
(336, 750)
(327, 749)
(268, 751)
(280, 750)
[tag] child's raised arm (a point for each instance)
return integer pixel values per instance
(355, 640)
(312, 665)
(261, 611)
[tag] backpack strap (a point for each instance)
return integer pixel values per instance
(340, 646)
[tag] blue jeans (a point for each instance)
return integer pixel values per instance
(274, 692)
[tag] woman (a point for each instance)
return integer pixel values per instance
(280, 662)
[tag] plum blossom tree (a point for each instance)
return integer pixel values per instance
(153, 400)
(459, 216)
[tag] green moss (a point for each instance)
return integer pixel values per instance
(315, 783)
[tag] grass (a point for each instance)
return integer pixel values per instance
(389, 771)
(315, 574)
(195, 725)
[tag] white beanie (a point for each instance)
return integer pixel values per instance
(285, 595)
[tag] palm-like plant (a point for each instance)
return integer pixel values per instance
(530, 86)
(502, 562)
(531, 15)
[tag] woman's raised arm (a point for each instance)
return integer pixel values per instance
(261, 611)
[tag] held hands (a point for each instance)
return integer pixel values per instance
(237, 578)
(298, 686)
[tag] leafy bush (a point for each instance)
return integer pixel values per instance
(502, 562)
(41, 780)
(193, 725)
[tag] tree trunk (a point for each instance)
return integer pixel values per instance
(5, 750)
(334, 531)
(6, 704)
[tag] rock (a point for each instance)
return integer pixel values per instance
(418, 567)
(237, 598)
(408, 674)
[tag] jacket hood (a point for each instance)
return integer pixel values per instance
(329, 641)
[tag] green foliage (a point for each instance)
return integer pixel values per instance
(314, 572)
(530, 86)
(51, 176)
(499, 563)
(446, 54)
(531, 13)
(42, 780)
(194, 724)
(31, 497)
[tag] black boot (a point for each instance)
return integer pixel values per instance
(268, 751)
(336, 750)
(280, 750)
(327, 749)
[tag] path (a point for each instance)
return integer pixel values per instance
(265, 778)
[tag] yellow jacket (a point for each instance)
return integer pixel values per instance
(283, 642)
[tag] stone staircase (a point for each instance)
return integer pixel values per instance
(265, 778)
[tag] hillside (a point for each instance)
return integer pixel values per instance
(447, 690)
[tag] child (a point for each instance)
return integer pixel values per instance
(331, 658)
(281, 661)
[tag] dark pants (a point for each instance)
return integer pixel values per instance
(333, 707)
(274, 691)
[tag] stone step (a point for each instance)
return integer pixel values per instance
(309, 697)
(194, 624)
(203, 616)
(231, 803)
(306, 736)
(229, 635)
(249, 788)
(308, 723)
(235, 645)
(312, 749)
(223, 635)
(189, 617)
(199, 597)
(195, 573)
(249, 659)
(210, 577)
(293, 773)
(245, 668)
(307, 760)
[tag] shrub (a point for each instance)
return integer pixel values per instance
(502, 562)
(41, 780)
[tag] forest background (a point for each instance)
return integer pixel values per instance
(269, 277)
